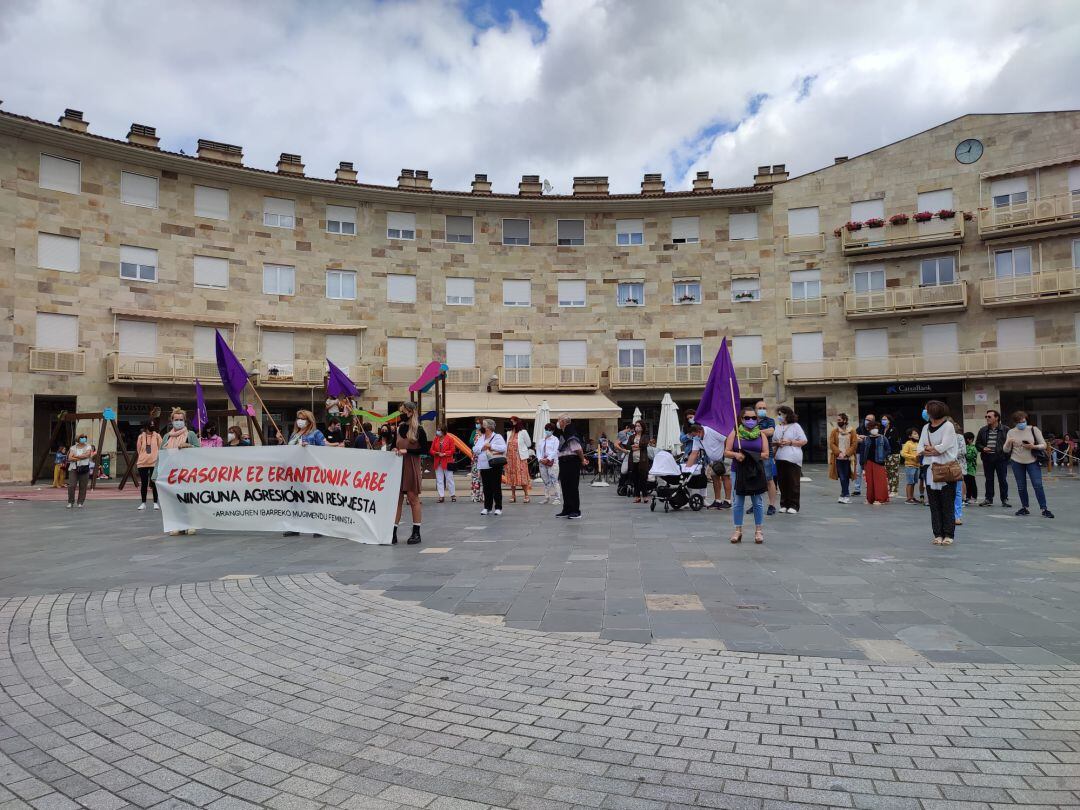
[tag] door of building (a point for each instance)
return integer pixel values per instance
(812, 418)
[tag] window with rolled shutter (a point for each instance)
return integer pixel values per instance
(868, 209)
(572, 293)
(684, 230)
(459, 229)
(401, 289)
(571, 231)
(341, 350)
(460, 292)
(212, 271)
(871, 342)
(277, 348)
(401, 352)
(934, 201)
(807, 347)
(1009, 191)
(60, 174)
(573, 353)
(461, 353)
(746, 350)
(803, 221)
(400, 225)
(138, 263)
(138, 189)
(631, 353)
(341, 219)
(57, 252)
(517, 293)
(517, 353)
(212, 203)
(204, 342)
(137, 337)
(55, 331)
(515, 231)
(743, 226)
(279, 212)
(629, 231)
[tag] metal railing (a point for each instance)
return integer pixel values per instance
(160, 368)
(550, 378)
(1048, 284)
(307, 374)
(677, 376)
(797, 307)
(903, 300)
(910, 235)
(1035, 214)
(64, 361)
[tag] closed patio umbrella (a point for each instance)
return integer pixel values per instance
(667, 434)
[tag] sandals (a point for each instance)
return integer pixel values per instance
(936, 541)
(526, 499)
(946, 541)
(737, 536)
(759, 536)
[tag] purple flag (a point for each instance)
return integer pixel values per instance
(233, 374)
(719, 404)
(339, 383)
(201, 419)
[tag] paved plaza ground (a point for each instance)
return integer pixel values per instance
(628, 660)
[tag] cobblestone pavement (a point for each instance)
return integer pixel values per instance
(300, 691)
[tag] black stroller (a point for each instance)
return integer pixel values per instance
(673, 485)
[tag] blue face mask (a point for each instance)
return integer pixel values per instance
(762, 413)
(547, 432)
(925, 415)
(1021, 425)
(82, 440)
(885, 422)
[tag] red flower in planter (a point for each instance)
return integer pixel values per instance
(854, 226)
(968, 216)
(899, 219)
(874, 222)
(946, 213)
(923, 216)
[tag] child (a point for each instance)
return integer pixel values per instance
(910, 454)
(59, 476)
(971, 488)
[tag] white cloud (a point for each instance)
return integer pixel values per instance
(615, 87)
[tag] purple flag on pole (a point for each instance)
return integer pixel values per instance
(719, 404)
(201, 419)
(233, 374)
(339, 382)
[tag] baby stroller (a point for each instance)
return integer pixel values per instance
(674, 484)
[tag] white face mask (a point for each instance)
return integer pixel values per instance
(873, 431)
(178, 424)
(301, 423)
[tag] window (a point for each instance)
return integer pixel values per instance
(572, 293)
(279, 213)
(1011, 263)
(517, 354)
(517, 294)
(461, 353)
(1010, 191)
(278, 352)
(805, 284)
(1076, 254)
(1074, 181)
(138, 264)
(871, 342)
(60, 174)
(279, 279)
(807, 347)
(212, 203)
(401, 289)
(459, 229)
(745, 289)
(934, 201)
(460, 292)
(742, 226)
(204, 342)
(138, 189)
(57, 252)
(937, 271)
(869, 278)
(137, 337)
(573, 353)
(341, 219)
(571, 231)
(684, 230)
(940, 347)
(1015, 333)
(629, 232)
(515, 231)
(401, 352)
(688, 352)
(211, 271)
(867, 209)
(57, 331)
(631, 353)
(687, 292)
(631, 293)
(746, 350)
(803, 221)
(341, 284)
(341, 350)
(400, 225)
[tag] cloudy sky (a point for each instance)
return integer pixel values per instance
(557, 88)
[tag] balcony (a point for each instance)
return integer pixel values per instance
(677, 376)
(1035, 215)
(463, 378)
(168, 369)
(1049, 285)
(63, 361)
(400, 375)
(798, 307)
(906, 301)
(305, 374)
(909, 236)
(804, 243)
(560, 378)
(1033, 361)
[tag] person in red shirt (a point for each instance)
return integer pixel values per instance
(442, 453)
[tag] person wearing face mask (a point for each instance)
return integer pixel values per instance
(305, 432)
(476, 484)
(236, 438)
(442, 453)
(147, 447)
(489, 450)
(937, 443)
(571, 460)
(80, 456)
(893, 460)
(862, 430)
(1027, 448)
(638, 462)
(179, 437)
(768, 427)
(788, 440)
(990, 443)
(365, 438)
(335, 436)
(210, 437)
(748, 446)
(410, 439)
(518, 450)
(873, 452)
(684, 435)
(843, 444)
(547, 453)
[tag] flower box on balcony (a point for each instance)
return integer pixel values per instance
(688, 299)
(854, 226)
(923, 216)
(946, 213)
(899, 219)
(745, 295)
(874, 222)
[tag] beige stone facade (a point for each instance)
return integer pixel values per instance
(209, 214)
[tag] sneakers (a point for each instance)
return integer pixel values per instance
(142, 506)
(714, 505)
(1006, 505)
(771, 510)
(783, 510)
(483, 511)
(1046, 513)
(81, 505)
(843, 499)
(986, 503)
(725, 504)
(1022, 511)
(574, 516)
(563, 513)
(496, 511)
(157, 508)
(792, 511)
(556, 502)
(68, 506)
(912, 501)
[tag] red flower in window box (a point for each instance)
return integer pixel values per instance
(946, 213)
(854, 226)
(968, 216)
(923, 216)
(874, 222)
(899, 219)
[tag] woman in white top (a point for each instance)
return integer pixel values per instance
(80, 457)
(1021, 443)
(788, 440)
(547, 453)
(516, 472)
(490, 445)
(937, 443)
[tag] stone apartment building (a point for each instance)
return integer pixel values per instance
(119, 260)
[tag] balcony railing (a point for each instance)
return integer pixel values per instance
(463, 377)
(550, 378)
(64, 361)
(160, 368)
(400, 375)
(1036, 214)
(906, 300)
(797, 307)
(1036, 360)
(804, 243)
(1051, 285)
(677, 376)
(306, 374)
(910, 235)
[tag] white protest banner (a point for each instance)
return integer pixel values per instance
(314, 490)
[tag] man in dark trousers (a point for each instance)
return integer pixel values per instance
(990, 443)
(571, 458)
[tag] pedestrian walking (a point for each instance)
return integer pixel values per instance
(518, 445)
(937, 443)
(787, 443)
(748, 447)
(571, 459)
(410, 439)
(442, 453)
(547, 453)
(843, 447)
(80, 462)
(990, 442)
(873, 452)
(147, 447)
(1026, 447)
(489, 452)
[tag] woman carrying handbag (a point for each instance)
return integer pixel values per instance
(937, 442)
(490, 454)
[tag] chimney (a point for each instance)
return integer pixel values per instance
(345, 172)
(221, 152)
(481, 184)
(840, 160)
(770, 175)
(590, 186)
(290, 164)
(72, 119)
(143, 135)
(703, 182)
(415, 179)
(530, 186)
(652, 184)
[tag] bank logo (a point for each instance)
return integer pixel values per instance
(908, 388)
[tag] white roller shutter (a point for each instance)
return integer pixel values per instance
(277, 348)
(517, 353)
(57, 252)
(138, 189)
(746, 350)
(461, 291)
(743, 226)
(204, 341)
(1074, 179)
(517, 293)
(404, 224)
(341, 350)
(934, 201)
(60, 174)
(341, 213)
(803, 221)
(137, 337)
(940, 347)
(807, 346)
(1015, 333)
(573, 353)
(871, 342)
(867, 209)
(212, 203)
(461, 353)
(401, 289)
(211, 271)
(1009, 185)
(57, 331)
(572, 293)
(685, 229)
(629, 226)
(279, 206)
(401, 352)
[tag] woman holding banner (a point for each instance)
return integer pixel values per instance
(410, 439)
(305, 432)
(179, 437)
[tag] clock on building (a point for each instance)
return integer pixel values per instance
(969, 151)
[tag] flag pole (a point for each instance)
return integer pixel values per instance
(266, 410)
(735, 413)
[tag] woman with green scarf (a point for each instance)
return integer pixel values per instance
(747, 447)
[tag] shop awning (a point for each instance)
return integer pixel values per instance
(500, 406)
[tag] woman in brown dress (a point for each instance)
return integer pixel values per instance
(411, 438)
(517, 459)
